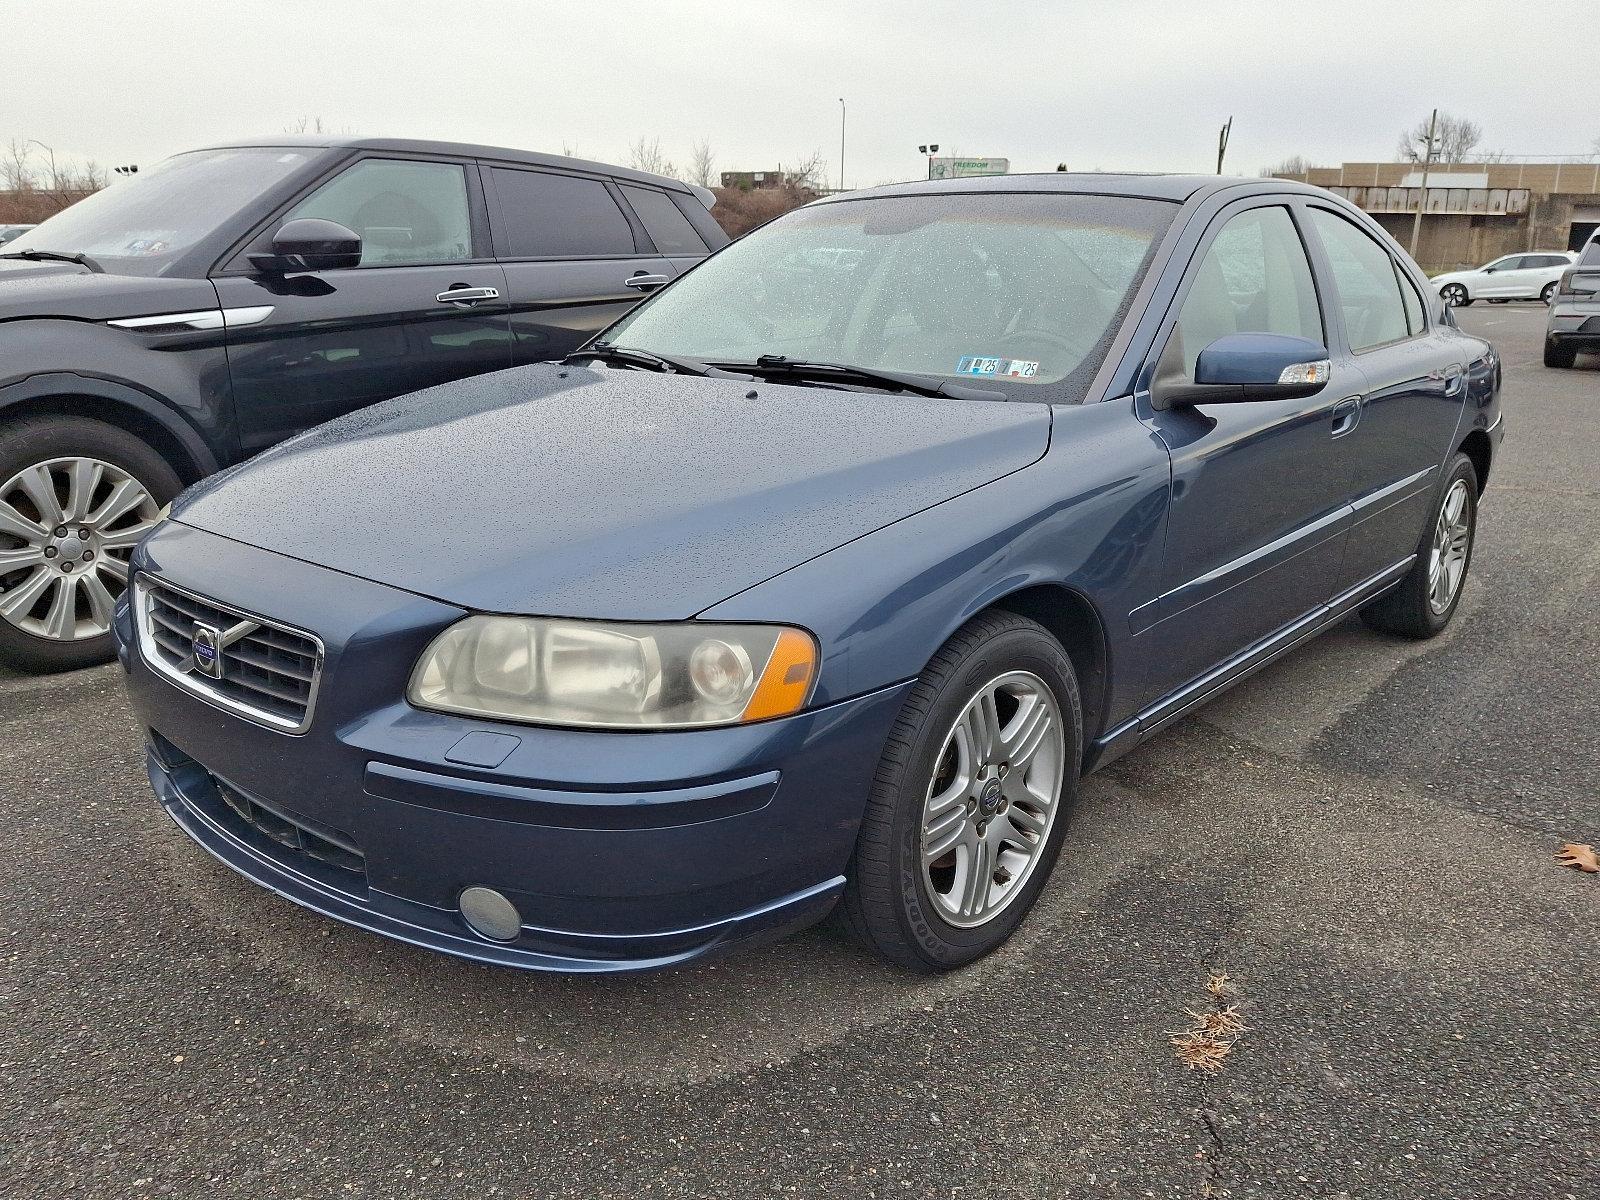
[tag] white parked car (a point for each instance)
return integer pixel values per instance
(1514, 277)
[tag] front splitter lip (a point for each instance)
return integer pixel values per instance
(624, 954)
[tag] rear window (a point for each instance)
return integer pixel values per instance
(1591, 254)
(668, 228)
(557, 216)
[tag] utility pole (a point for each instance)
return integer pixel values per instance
(1222, 143)
(841, 143)
(1422, 194)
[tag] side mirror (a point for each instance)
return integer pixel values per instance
(310, 244)
(1240, 367)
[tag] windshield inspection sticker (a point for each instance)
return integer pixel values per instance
(972, 364)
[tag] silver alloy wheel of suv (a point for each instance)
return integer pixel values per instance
(1454, 295)
(67, 529)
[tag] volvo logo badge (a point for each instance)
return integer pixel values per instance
(206, 648)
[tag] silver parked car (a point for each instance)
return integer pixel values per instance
(1573, 326)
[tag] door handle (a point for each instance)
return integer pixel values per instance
(1346, 415)
(642, 282)
(463, 296)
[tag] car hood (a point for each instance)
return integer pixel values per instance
(593, 492)
(57, 289)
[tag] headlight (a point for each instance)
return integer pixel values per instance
(589, 674)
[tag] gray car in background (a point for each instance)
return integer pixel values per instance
(7, 232)
(1573, 326)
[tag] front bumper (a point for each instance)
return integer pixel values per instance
(621, 851)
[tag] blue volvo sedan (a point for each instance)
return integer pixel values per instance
(816, 583)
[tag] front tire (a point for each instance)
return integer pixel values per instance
(1421, 605)
(971, 798)
(76, 495)
(1557, 355)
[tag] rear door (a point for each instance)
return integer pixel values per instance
(575, 259)
(666, 224)
(1414, 396)
(334, 341)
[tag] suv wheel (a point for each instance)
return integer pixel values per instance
(971, 798)
(1421, 605)
(1454, 295)
(1557, 355)
(75, 497)
(1549, 292)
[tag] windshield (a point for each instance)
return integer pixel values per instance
(1023, 292)
(140, 226)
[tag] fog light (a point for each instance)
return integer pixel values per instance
(490, 914)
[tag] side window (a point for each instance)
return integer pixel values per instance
(557, 216)
(1253, 279)
(1369, 291)
(668, 228)
(1413, 303)
(406, 212)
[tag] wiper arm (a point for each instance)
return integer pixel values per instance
(905, 381)
(83, 260)
(606, 352)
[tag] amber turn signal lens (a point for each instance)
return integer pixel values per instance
(786, 682)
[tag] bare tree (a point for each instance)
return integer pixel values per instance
(569, 149)
(16, 168)
(1458, 137)
(646, 155)
(809, 174)
(30, 192)
(1295, 164)
(702, 164)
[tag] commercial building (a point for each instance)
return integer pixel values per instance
(1474, 212)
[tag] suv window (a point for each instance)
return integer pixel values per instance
(1413, 303)
(557, 216)
(668, 228)
(406, 212)
(1254, 279)
(1591, 254)
(1552, 260)
(1369, 290)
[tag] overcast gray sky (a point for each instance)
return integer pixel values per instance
(1130, 84)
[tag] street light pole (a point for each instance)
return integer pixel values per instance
(841, 143)
(1422, 194)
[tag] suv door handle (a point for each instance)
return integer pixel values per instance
(463, 296)
(640, 281)
(1346, 415)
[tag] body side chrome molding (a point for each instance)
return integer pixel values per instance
(211, 318)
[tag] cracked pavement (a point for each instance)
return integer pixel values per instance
(1361, 837)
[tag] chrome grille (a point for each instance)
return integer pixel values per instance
(244, 663)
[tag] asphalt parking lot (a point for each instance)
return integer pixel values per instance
(1360, 838)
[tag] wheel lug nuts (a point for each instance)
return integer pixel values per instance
(88, 555)
(66, 566)
(61, 531)
(84, 534)
(50, 552)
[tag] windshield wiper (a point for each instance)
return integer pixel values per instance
(920, 385)
(83, 260)
(606, 352)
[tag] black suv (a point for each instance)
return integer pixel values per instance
(186, 318)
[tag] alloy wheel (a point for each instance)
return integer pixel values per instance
(67, 529)
(1454, 295)
(1452, 538)
(992, 802)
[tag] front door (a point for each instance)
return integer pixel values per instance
(425, 306)
(1259, 490)
(1414, 395)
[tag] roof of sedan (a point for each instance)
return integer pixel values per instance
(1154, 186)
(465, 150)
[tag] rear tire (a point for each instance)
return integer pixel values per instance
(1549, 292)
(1455, 295)
(1557, 355)
(1421, 605)
(36, 454)
(930, 913)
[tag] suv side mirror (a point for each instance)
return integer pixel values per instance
(310, 244)
(1241, 367)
